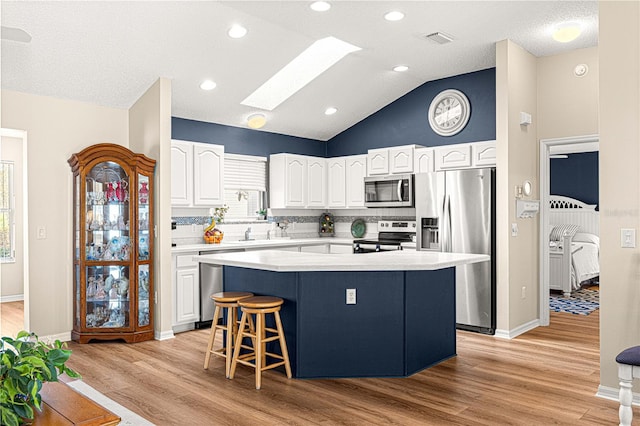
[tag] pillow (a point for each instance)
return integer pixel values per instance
(583, 237)
(560, 230)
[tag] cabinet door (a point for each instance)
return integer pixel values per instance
(484, 153)
(378, 161)
(208, 180)
(316, 182)
(336, 182)
(453, 157)
(181, 173)
(356, 170)
(401, 160)
(187, 295)
(296, 179)
(423, 160)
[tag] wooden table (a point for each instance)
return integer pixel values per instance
(63, 406)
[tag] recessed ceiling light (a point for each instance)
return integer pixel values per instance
(330, 111)
(394, 15)
(308, 65)
(237, 31)
(208, 85)
(400, 68)
(256, 121)
(569, 31)
(320, 6)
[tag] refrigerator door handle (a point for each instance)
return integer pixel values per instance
(399, 189)
(447, 224)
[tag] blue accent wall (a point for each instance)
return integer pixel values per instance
(237, 140)
(576, 177)
(405, 121)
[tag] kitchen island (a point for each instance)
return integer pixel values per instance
(403, 319)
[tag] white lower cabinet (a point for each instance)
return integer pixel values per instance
(186, 291)
(321, 248)
(340, 248)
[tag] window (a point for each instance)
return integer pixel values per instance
(7, 225)
(245, 185)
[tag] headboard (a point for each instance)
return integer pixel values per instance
(565, 210)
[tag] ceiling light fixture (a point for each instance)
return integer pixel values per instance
(237, 31)
(320, 6)
(208, 85)
(400, 68)
(566, 32)
(330, 111)
(440, 38)
(303, 69)
(256, 121)
(394, 15)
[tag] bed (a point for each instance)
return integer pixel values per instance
(574, 244)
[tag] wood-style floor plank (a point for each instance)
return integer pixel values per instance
(547, 376)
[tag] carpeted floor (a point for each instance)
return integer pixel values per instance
(581, 302)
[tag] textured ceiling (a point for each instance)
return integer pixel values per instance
(109, 53)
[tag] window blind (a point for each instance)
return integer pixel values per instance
(245, 172)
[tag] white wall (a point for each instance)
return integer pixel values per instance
(11, 282)
(619, 50)
(56, 129)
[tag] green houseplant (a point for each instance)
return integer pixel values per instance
(262, 214)
(25, 363)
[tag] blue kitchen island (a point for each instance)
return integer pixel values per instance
(403, 319)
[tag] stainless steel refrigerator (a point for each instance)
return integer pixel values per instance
(455, 211)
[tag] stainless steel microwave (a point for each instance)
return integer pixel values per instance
(388, 191)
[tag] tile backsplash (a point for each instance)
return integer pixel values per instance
(302, 224)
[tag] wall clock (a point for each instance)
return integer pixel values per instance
(449, 112)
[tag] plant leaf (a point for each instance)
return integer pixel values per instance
(58, 356)
(9, 418)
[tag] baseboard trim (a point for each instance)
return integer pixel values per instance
(511, 334)
(14, 298)
(164, 335)
(613, 394)
(183, 327)
(63, 337)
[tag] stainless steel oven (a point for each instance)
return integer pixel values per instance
(388, 191)
(391, 235)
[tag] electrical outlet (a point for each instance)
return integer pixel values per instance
(41, 233)
(524, 292)
(627, 238)
(351, 296)
(514, 229)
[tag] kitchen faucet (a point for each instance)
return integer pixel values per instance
(247, 234)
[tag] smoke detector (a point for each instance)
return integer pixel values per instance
(440, 38)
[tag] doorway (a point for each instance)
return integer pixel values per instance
(549, 147)
(14, 270)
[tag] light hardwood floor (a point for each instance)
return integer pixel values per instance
(546, 376)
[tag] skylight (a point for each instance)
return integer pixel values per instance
(308, 65)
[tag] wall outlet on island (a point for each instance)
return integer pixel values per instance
(351, 296)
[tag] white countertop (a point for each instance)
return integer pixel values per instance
(281, 261)
(243, 245)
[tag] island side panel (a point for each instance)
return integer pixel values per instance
(361, 340)
(430, 318)
(268, 283)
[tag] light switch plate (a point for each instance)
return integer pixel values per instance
(627, 238)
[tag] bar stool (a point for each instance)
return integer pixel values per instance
(628, 369)
(225, 300)
(260, 306)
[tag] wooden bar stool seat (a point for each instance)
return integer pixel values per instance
(225, 300)
(257, 355)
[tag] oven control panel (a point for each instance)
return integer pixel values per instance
(397, 226)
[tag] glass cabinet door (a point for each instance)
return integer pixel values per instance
(107, 214)
(107, 297)
(143, 295)
(143, 217)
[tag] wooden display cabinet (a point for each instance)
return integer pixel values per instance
(112, 244)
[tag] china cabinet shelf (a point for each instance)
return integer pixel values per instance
(113, 248)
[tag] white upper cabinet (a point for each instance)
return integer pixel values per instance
(181, 173)
(356, 170)
(287, 180)
(453, 157)
(208, 175)
(197, 174)
(484, 153)
(423, 161)
(316, 182)
(401, 159)
(336, 182)
(378, 161)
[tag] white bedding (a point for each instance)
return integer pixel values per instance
(584, 262)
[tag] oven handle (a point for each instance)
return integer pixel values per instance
(399, 189)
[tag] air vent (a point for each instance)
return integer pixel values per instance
(440, 38)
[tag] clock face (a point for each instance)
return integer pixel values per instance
(449, 112)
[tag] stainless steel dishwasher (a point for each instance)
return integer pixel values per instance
(210, 282)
